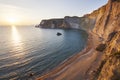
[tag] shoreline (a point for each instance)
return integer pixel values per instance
(64, 71)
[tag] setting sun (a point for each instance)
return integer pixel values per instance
(12, 20)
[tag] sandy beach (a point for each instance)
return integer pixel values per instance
(77, 67)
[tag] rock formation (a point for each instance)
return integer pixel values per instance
(108, 19)
(108, 27)
(83, 23)
(52, 23)
(110, 69)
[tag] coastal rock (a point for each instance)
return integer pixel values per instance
(58, 34)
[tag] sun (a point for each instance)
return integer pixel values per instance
(12, 20)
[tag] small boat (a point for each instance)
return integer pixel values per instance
(58, 34)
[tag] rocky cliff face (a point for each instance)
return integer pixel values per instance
(110, 69)
(52, 23)
(84, 23)
(108, 28)
(108, 19)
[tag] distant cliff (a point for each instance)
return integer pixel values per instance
(51, 23)
(83, 23)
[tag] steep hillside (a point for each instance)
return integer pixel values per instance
(110, 65)
(108, 20)
(108, 28)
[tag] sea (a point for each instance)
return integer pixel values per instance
(27, 52)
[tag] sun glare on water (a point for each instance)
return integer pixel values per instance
(16, 38)
(15, 35)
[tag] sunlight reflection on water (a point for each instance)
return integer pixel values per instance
(16, 38)
(15, 35)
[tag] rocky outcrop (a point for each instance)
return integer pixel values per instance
(108, 28)
(110, 69)
(108, 19)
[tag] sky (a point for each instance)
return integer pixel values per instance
(31, 12)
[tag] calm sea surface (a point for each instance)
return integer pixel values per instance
(26, 50)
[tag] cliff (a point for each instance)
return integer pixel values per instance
(110, 65)
(108, 28)
(67, 22)
(101, 58)
(52, 23)
(108, 20)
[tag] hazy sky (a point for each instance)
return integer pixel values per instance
(33, 11)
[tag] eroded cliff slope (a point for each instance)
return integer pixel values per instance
(108, 28)
(110, 65)
(108, 20)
